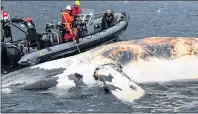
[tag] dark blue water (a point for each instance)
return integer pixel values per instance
(148, 19)
(164, 97)
(164, 18)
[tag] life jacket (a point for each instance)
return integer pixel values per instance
(109, 18)
(67, 20)
(66, 17)
(75, 10)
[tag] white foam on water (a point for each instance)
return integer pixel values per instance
(158, 11)
(160, 70)
(6, 90)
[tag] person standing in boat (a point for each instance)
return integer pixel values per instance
(4, 15)
(5, 18)
(66, 15)
(107, 19)
(76, 8)
(67, 20)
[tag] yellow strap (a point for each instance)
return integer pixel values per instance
(41, 54)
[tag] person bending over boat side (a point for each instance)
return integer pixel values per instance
(76, 8)
(76, 27)
(67, 20)
(107, 19)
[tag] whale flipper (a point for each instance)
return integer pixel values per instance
(118, 83)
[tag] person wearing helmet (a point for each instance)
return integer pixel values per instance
(107, 19)
(69, 32)
(66, 21)
(66, 15)
(76, 8)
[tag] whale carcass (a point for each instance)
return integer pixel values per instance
(118, 67)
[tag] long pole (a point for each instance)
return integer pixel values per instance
(71, 33)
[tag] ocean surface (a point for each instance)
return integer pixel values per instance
(148, 19)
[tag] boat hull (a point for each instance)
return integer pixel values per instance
(70, 48)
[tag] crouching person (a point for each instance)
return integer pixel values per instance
(76, 27)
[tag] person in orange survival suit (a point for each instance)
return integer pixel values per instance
(67, 20)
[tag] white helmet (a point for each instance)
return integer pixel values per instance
(68, 7)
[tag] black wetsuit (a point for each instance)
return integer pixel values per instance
(107, 20)
(75, 24)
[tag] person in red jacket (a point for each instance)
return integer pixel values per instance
(5, 30)
(4, 15)
(76, 8)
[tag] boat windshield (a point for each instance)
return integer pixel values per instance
(87, 15)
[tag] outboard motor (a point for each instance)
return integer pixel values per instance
(51, 37)
(83, 28)
(49, 27)
(54, 27)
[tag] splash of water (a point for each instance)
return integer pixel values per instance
(6, 90)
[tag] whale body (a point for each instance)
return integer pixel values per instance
(118, 67)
